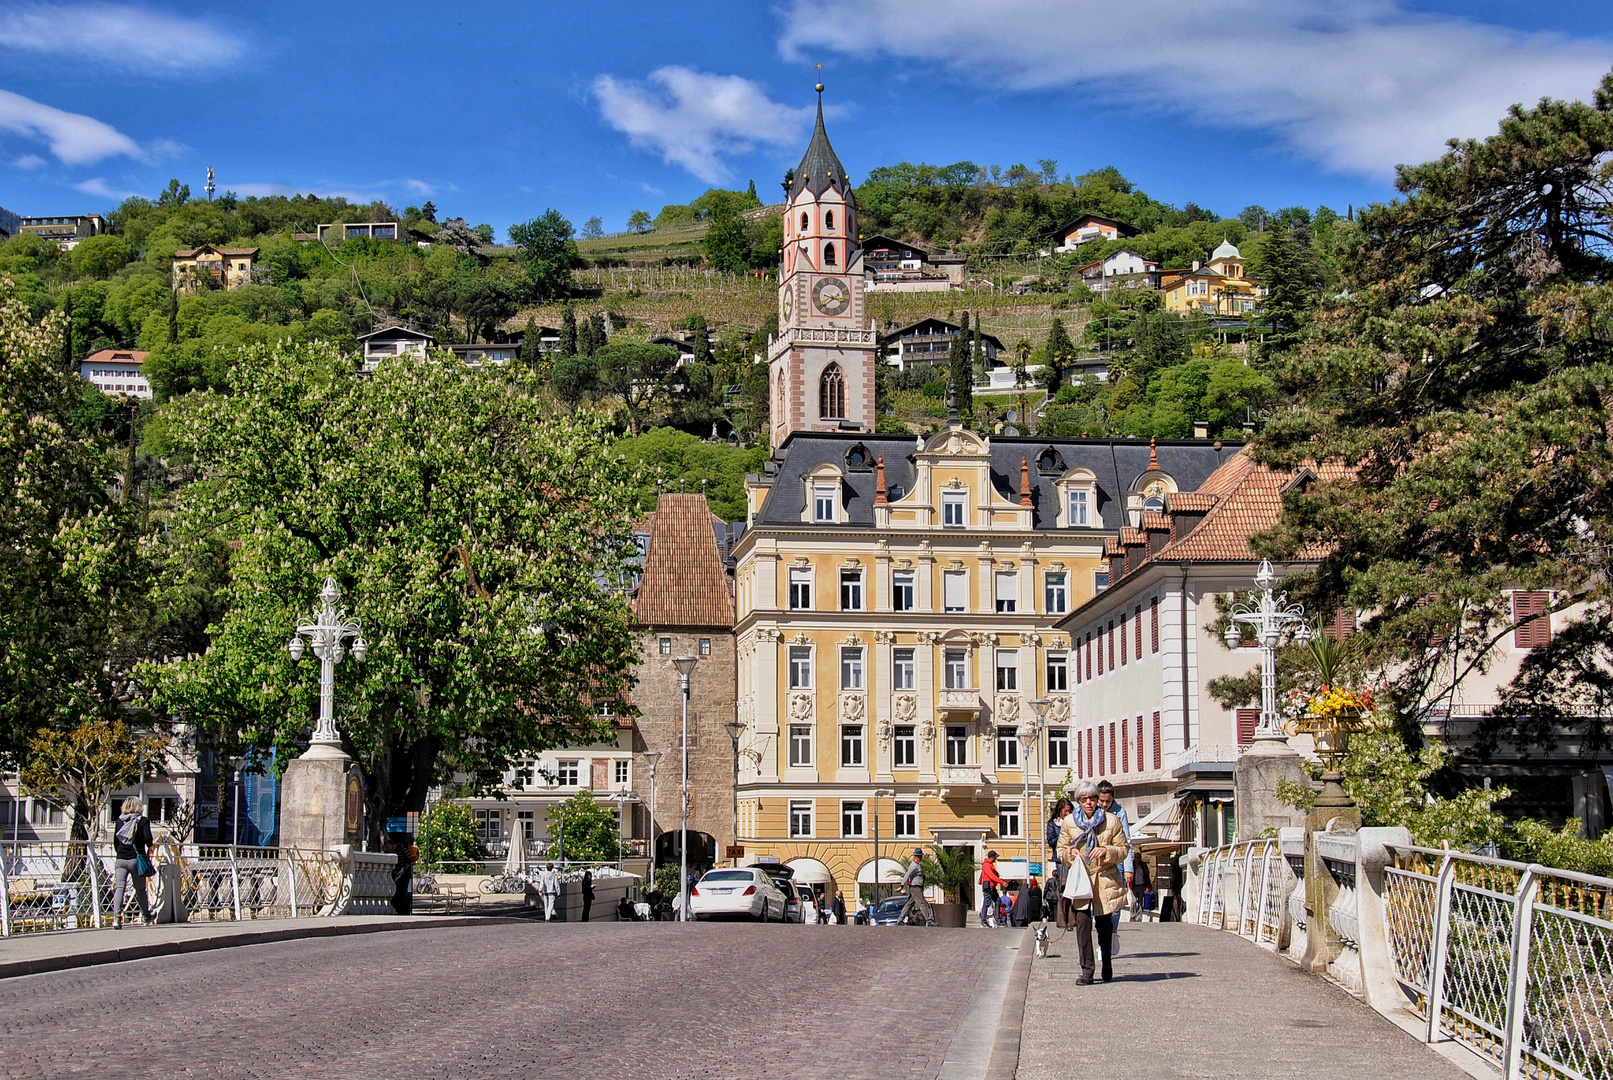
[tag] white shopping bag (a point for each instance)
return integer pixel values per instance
(1077, 882)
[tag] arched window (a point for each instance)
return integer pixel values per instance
(803, 221)
(832, 394)
(778, 410)
(829, 220)
(828, 254)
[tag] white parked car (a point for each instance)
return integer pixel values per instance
(742, 891)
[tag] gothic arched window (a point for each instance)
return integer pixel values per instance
(832, 394)
(803, 221)
(828, 254)
(829, 220)
(778, 410)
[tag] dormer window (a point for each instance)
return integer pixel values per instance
(858, 457)
(829, 255)
(1078, 500)
(829, 220)
(1048, 461)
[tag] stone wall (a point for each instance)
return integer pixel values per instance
(658, 726)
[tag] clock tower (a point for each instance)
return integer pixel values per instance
(822, 361)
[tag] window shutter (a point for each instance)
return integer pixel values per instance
(1125, 745)
(1153, 613)
(1533, 625)
(1340, 625)
(1112, 746)
(1159, 756)
(1138, 622)
(955, 587)
(1247, 720)
(1140, 759)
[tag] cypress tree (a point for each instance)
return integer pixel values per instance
(1057, 354)
(961, 371)
(596, 324)
(568, 331)
(1292, 282)
(531, 346)
(587, 340)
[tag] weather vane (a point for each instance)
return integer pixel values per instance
(819, 67)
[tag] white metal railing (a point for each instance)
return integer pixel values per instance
(1243, 888)
(68, 885)
(1514, 961)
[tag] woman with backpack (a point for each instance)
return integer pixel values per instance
(132, 841)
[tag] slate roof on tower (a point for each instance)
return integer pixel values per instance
(820, 169)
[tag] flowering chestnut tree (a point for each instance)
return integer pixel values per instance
(480, 543)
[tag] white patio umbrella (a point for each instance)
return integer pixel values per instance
(515, 861)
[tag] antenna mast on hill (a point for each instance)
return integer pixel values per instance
(210, 188)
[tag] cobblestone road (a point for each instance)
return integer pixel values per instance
(600, 1000)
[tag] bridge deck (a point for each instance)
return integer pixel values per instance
(1191, 1002)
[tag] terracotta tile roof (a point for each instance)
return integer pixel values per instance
(1154, 520)
(685, 582)
(1189, 502)
(1251, 501)
(116, 356)
(1128, 535)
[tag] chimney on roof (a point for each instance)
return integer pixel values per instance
(1024, 482)
(879, 483)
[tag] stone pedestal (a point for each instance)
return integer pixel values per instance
(1261, 768)
(1333, 812)
(317, 808)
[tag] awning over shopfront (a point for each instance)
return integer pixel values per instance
(1163, 822)
(889, 870)
(810, 872)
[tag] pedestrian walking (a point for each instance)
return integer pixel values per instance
(1092, 846)
(1106, 799)
(1142, 884)
(991, 886)
(1055, 821)
(549, 888)
(587, 893)
(131, 840)
(913, 882)
(837, 909)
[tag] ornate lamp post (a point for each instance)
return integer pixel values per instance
(685, 666)
(652, 758)
(735, 729)
(328, 634)
(1027, 742)
(1040, 707)
(1271, 616)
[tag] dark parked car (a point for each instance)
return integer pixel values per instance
(884, 913)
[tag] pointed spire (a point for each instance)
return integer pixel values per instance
(1024, 482)
(1153, 455)
(879, 484)
(820, 168)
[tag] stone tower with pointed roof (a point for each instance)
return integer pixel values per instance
(822, 361)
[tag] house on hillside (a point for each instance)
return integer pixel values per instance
(213, 267)
(929, 341)
(352, 230)
(1091, 227)
(66, 230)
(892, 265)
(393, 341)
(1123, 269)
(1220, 287)
(116, 371)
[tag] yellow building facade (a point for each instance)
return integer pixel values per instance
(1220, 287)
(896, 597)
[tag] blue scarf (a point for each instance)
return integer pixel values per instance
(1087, 827)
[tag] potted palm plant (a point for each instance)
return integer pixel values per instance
(952, 870)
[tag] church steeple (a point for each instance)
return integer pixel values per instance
(820, 168)
(823, 357)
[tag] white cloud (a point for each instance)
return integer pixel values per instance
(420, 186)
(1356, 85)
(29, 161)
(695, 119)
(121, 35)
(99, 186)
(73, 138)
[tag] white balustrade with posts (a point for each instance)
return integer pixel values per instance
(1512, 961)
(69, 885)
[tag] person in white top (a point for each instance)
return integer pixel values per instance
(549, 886)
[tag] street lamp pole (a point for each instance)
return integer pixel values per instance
(1270, 615)
(653, 758)
(1040, 707)
(735, 729)
(879, 793)
(328, 634)
(685, 666)
(1027, 742)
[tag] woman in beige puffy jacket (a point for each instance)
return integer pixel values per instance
(1100, 841)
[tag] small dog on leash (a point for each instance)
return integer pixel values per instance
(1041, 940)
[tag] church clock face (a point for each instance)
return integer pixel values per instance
(831, 295)
(789, 303)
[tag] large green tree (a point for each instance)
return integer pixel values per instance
(479, 543)
(549, 253)
(1464, 387)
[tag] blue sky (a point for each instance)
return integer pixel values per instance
(498, 111)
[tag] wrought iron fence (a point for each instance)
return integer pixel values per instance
(68, 885)
(1244, 889)
(1514, 961)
